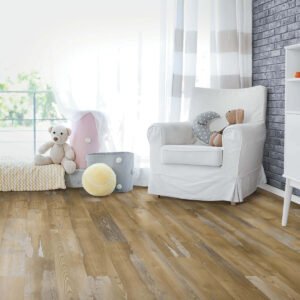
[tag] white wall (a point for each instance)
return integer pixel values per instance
(31, 30)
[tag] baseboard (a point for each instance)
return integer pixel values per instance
(278, 192)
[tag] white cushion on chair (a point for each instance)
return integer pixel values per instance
(192, 155)
(253, 100)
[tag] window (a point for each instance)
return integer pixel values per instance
(107, 54)
(27, 108)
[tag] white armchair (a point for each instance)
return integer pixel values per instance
(183, 168)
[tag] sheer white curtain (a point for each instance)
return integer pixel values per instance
(134, 60)
(119, 67)
(231, 44)
(185, 57)
(114, 56)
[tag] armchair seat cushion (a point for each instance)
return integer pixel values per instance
(200, 155)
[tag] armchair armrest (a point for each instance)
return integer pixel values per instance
(160, 134)
(176, 133)
(243, 147)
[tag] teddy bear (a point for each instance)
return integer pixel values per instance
(235, 116)
(60, 152)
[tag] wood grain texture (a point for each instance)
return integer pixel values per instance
(69, 245)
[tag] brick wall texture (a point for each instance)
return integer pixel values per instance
(276, 24)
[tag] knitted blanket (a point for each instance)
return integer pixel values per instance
(22, 176)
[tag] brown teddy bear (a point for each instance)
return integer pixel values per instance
(235, 116)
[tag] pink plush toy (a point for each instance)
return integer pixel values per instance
(88, 132)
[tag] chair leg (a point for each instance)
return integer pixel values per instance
(158, 196)
(287, 202)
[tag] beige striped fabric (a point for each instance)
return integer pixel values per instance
(231, 44)
(20, 176)
(184, 58)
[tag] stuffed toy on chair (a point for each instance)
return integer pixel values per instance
(235, 116)
(60, 151)
(201, 126)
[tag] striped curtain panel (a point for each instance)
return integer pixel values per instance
(231, 44)
(184, 58)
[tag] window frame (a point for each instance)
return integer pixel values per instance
(32, 94)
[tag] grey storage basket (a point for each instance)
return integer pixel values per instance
(122, 164)
(74, 180)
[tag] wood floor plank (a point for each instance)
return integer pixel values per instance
(103, 278)
(160, 248)
(68, 255)
(235, 281)
(260, 248)
(12, 287)
(241, 259)
(133, 283)
(167, 246)
(70, 245)
(39, 268)
(273, 291)
(157, 265)
(13, 247)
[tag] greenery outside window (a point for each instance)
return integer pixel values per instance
(27, 109)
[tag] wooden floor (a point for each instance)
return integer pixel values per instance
(68, 245)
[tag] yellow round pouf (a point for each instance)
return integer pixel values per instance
(99, 180)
